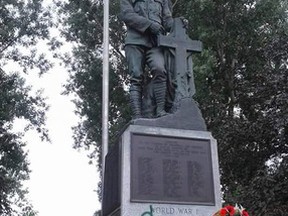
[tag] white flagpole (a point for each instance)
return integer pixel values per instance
(105, 89)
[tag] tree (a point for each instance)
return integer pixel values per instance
(82, 22)
(23, 24)
(241, 84)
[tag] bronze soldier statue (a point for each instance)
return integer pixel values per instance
(145, 19)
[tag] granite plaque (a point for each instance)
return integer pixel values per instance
(167, 169)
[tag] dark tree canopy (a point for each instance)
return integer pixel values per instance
(241, 86)
(23, 23)
(241, 81)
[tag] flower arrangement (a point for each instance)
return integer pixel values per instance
(232, 211)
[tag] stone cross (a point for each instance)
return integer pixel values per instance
(183, 46)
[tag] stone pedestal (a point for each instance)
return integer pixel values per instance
(162, 171)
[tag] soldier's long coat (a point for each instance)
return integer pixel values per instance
(138, 15)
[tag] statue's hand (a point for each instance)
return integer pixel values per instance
(185, 22)
(169, 25)
(156, 28)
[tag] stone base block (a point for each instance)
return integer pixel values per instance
(160, 171)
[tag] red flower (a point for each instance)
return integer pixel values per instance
(223, 212)
(245, 213)
(227, 211)
(231, 210)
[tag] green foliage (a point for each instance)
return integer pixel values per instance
(16, 103)
(82, 22)
(23, 24)
(13, 167)
(268, 190)
(241, 82)
(13, 170)
(83, 27)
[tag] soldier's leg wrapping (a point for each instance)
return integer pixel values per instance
(136, 102)
(155, 61)
(136, 60)
(160, 97)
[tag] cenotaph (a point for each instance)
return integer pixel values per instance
(166, 164)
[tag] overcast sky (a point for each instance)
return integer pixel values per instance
(62, 182)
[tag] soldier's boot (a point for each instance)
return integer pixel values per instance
(136, 102)
(160, 98)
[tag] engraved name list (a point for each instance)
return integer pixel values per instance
(171, 170)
